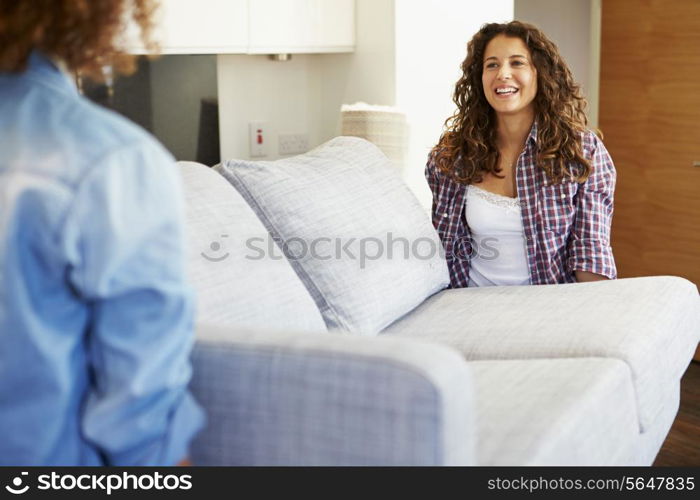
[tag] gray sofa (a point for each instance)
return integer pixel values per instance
(311, 355)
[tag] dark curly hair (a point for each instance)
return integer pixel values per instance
(467, 147)
(84, 34)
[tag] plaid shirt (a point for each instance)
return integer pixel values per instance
(566, 226)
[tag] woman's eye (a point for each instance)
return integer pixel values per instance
(491, 65)
(517, 63)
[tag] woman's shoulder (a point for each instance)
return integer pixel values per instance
(595, 152)
(433, 167)
(111, 133)
(440, 152)
(108, 130)
(590, 141)
(431, 164)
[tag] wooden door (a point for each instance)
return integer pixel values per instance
(650, 117)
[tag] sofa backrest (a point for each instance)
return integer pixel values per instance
(240, 275)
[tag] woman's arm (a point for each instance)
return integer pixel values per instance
(590, 255)
(583, 276)
(125, 232)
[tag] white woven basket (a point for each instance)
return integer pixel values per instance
(383, 126)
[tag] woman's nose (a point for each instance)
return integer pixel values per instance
(504, 73)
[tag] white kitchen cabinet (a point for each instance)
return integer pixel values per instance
(204, 26)
(252, 27)
(301, 26)
(197, 27)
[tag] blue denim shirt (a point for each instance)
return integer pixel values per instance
(95, 315)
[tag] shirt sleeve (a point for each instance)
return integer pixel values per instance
(125, 239)
(589, 245)
(431, 175)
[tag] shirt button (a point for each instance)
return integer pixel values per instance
(444, 216)
(563, 196)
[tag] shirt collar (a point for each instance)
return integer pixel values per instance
(532, 136)
(42, 68)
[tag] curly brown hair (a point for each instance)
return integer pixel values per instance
(83, 34)
(467, 148)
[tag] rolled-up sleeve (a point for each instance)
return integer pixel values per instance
(431, 177)
(125, 239)
(589, 246)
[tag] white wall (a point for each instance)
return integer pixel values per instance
(279, 93)
(365, 75)
(431, 41)
(305, 94)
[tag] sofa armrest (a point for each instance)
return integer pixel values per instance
(330, 399)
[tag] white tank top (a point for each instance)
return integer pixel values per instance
(499, 255)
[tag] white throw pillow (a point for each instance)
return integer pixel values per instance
(355, 234)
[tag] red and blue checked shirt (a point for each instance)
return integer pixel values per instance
(566, 226)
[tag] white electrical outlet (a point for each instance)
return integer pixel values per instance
(292, 144)
(257, 139)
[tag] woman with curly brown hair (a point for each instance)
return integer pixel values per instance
(95, 311)
(522, 191)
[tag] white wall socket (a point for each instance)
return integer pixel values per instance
(258, 139)
(293, 144)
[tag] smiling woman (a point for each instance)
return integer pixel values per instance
(517, 167)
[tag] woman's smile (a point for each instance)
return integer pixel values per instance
(505, 91)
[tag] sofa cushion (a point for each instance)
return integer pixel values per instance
(357, 237)
(236, 285)
(651, 323)
(554, 412)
